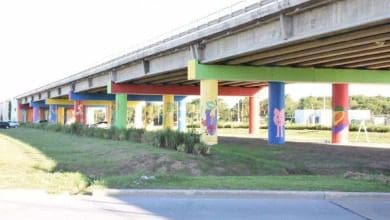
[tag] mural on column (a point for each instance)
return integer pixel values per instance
(209, 117)
(340, 122)
(79, 114)
(36, 114)
(279, 120)
(53, 114)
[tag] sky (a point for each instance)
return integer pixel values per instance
(42, 41)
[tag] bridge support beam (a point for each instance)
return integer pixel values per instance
(254, 117)
(168, 111)
(182, 116)
(209, 111)
(121, 111)
(198, 71)
(53, 114)
(340, 106)
(276, 113)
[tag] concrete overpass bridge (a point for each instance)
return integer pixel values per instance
(266, 43)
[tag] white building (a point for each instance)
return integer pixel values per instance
(324, 117)
(9, 110)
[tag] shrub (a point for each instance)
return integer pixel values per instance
(190, 139)
(135, 135)
(169, 139)
(118, 134)
(201, 149)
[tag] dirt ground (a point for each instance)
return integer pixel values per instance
(324, 159)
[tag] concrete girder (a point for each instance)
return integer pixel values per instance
(285, 74)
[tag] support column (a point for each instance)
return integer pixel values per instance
(209, 111)
(79, 112)
(181, 120)
(121, 110)
(109, 110)
(254, 117)
(340, 106)
(36, 114)
(168, 110)
(53, 114)
(61, 115)
(276, 113)
(138, 122)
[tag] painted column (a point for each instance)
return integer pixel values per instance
(53, 114)
(276, 113)
(36, 114)
(79, 112)
(42, 114)
(168, 110)
(254, 117)
(340, 106)
(138, 122)
(61, 115)
(209, 111)
(182, 110)
(109, 110)
(121, 110)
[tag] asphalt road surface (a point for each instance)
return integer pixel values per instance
(38, 205)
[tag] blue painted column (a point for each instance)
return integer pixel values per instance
(36, 114)
(53, 114)
(181, 120)
(276, 113)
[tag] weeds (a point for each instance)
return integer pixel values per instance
(179, 141)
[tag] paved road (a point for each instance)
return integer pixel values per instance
(38, 205)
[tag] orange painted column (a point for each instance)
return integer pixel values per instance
(340, 106)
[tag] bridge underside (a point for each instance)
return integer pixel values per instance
(356, 49)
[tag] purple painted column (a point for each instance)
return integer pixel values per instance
(36, 114)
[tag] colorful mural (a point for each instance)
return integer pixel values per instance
(209, 117)
(279, 120)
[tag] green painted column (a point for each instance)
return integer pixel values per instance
(121, 110)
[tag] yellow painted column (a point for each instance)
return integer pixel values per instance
(168, 110)
(61, 115)
(209, 111)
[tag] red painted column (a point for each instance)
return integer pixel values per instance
(79, 112)
(254, 119)
(340, 106)
(42, 114)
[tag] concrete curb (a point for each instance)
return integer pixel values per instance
(242, 193)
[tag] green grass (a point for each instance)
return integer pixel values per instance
(31, 158)
(311, 135)
(309, 183)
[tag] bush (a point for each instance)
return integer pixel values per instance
(76, 128)
(190, 140)
(135, 135)
(169, 139)
(202, 149)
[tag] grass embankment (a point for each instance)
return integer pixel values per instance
(312, 135)
(31, 158)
